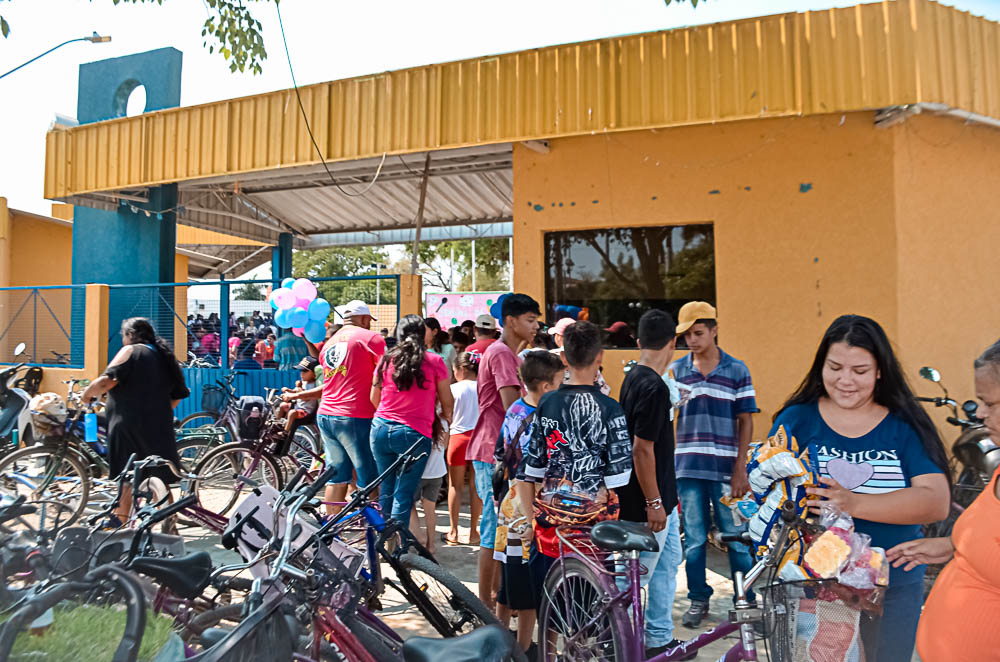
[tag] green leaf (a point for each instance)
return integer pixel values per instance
(4, 27)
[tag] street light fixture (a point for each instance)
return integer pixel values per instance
(94, 39)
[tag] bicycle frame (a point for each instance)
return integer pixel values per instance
(631, 598)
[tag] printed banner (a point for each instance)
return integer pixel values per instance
(453, 308)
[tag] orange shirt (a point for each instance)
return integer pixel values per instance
(960, 618)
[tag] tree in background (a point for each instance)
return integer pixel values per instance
(346, 261)
(492, 264)
(249, 292)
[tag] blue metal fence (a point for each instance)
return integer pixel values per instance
(254, 382)
(42, 318)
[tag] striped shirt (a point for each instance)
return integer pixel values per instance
(706, 425)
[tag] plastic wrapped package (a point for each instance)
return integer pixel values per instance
(771, 464)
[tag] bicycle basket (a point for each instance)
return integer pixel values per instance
(812, 620)
(213, 398)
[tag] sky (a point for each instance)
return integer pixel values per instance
(328, 40)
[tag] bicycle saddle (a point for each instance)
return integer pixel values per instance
(187, 576)
(617, 536)
(487, 644)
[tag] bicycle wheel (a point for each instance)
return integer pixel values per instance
(573, 592)
(200, 419)
(193, 450)
(378, 644)
(52, 479)
(444, 601)
(229, 472)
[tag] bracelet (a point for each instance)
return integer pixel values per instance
(656, 505)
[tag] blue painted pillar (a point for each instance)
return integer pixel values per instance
(281, 258)
(136, 242)
(224, 322)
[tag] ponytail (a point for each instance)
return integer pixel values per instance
(407, 357)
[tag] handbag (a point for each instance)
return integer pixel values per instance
(501, 479)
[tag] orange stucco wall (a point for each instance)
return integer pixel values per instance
(947, 177)
(814, 217)
(41, 252)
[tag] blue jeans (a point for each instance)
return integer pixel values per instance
(346, 446)
(893, 636)
(696, 496)
(389, 440)
(660, 582)
(483, 474)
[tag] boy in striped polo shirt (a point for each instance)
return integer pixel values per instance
(714, 428)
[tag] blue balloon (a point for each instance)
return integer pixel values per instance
(319, 310)
(297, 317)
(496, 310)
(281, 319)
(315, 332)
(287, 283)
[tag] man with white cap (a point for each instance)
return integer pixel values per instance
(348, 360)
(486, 334)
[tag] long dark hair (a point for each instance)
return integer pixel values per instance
(440, 337)
(407, 357)
(141, 331)
(892, 390)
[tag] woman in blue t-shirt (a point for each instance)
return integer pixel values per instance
(880, 457)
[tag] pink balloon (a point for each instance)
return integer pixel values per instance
(284, 299)
(299, 331)
(303, 288)
(302, 303)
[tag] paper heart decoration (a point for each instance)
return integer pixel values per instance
(848, 474)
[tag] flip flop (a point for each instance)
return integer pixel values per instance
(449, 541)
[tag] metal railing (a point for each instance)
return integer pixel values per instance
(49, 320)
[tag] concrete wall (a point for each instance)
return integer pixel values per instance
(814, 218)
(947, 181)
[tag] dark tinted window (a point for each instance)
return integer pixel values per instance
(616, 275)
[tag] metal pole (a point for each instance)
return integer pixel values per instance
(420, 215)
(34, 326)
(474, 265)
(451, 273)
(510, 261)
(94, 39)
(223, 322)
(378, 283)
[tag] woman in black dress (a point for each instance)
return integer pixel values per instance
(144, 383)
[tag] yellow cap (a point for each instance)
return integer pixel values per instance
(691, 312)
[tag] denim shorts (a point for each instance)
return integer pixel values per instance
(484, 488)
(346, 446)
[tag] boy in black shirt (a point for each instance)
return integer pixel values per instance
(651, 495)
(579, 451)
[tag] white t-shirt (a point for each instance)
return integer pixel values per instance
(436, 467)
(466, 406)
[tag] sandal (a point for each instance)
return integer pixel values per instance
(449, 540)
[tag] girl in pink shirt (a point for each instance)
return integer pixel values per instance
(408, 383)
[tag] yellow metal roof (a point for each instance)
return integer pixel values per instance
(863, 57)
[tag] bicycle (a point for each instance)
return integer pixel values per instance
(585, 615)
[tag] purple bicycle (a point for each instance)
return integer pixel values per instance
(586, 617)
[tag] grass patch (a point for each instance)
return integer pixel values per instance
(89, 634)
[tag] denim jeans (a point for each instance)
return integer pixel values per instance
(660, 582)
(696, 496)
(389, 440)
(483, 475)
(346, 446)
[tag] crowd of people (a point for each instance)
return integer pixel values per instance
(525, 417)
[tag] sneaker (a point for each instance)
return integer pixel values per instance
(112, 523)
(532, 653)
(674, 643)
(696, 612)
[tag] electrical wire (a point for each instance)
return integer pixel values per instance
(305, 119)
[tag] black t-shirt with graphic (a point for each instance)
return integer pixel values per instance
(646, 401)
(580, 437)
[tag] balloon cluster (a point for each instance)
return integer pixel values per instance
(297, 308)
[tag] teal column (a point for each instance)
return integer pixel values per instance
(281, 258)
(224, 322)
